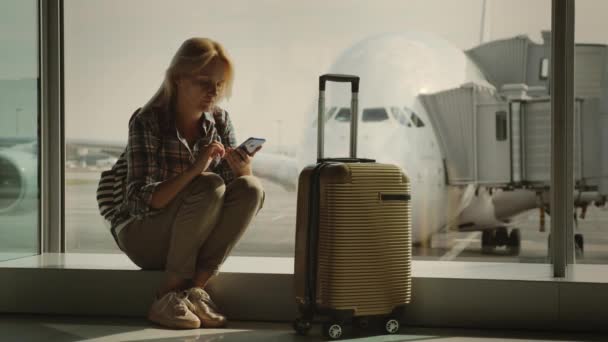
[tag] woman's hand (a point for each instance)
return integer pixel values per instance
(207, 154)
(239, 161)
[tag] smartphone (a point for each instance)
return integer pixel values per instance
(251, 144)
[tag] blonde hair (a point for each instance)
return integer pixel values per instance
(193, 55)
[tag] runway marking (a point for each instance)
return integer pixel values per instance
(277, 217)
(460, 246)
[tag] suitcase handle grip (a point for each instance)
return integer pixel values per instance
(354, 107)
(354, 81)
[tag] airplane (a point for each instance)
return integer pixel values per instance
(397, 70)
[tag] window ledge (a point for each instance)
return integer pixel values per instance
(444, 294)
(283, 265)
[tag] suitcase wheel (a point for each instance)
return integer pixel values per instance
(302, 326)
(333, 330)
(391, 325)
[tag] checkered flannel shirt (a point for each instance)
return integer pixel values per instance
(156, 152)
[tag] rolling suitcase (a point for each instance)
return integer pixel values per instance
(353, 237)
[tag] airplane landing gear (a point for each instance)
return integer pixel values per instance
(579, 243)
(487, 241)
(514, 245)
(492, 238)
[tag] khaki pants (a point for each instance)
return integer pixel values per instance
(198, 229)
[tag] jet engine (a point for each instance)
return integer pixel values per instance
(18, 180)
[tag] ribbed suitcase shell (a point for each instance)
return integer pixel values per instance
(364, 242)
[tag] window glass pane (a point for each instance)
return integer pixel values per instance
(417, 120)
(343, 115)
(402, 117)
(19, 192)
(395, 113)
(501, 126)
(482, 214)
(399, 116)
(374, 115)
(544, 68)
(591, 132)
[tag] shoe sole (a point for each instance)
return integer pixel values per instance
(172, 324)
(213, 325)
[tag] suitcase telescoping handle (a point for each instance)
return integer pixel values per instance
(354, 85)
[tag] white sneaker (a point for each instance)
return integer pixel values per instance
(205, 308)
(174, 310)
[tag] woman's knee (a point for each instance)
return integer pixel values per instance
(250, 187)
(207, 185)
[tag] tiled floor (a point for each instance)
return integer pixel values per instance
(67, 328)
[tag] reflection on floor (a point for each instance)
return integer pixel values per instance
(69, 328)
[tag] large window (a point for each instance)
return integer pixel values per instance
(19, 191)
(476, 196)
(591, 131)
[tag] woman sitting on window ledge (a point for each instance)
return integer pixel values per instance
(190, 193)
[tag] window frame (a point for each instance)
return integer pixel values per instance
(52, 146)
(52, 142)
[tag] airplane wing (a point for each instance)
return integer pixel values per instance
(111, 148)
(6, 142)
(279, 169)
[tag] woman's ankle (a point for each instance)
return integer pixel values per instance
(173, 285)
(201, 279)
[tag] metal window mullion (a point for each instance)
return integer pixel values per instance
(51, 126)
(562, 136)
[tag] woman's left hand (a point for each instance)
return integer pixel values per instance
(239, 161)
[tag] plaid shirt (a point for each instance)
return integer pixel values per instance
(156, 152)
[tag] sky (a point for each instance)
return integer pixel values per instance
(116, 51)
(18, 39)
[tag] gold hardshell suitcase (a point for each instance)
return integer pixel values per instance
(353, 238)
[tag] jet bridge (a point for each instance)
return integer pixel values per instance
(504, 139)
(520, 60)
